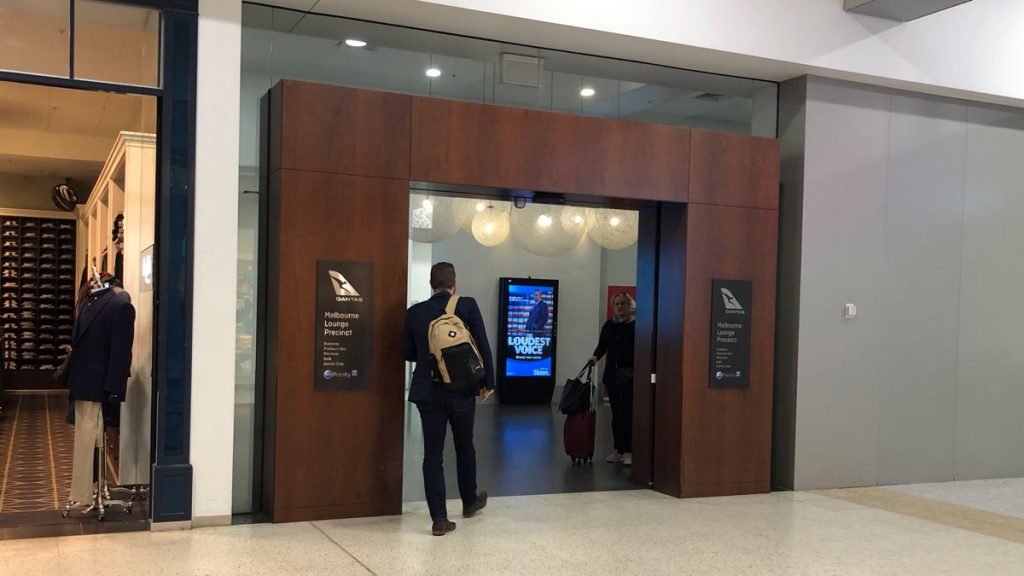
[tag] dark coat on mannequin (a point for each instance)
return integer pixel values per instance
(101, 347)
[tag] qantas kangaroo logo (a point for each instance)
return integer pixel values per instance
(731, 303)
(342, 287)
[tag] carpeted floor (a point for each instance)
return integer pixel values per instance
(36, 447)
(36, 451)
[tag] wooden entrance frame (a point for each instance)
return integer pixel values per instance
(712, 213)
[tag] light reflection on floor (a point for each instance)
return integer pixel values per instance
(519, 452)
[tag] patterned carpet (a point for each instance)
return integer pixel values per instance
(36, 448)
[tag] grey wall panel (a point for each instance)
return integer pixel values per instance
(845, 179)
(917, 399)
(911, 209)
(990, 394)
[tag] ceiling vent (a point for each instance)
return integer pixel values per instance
(521, 70)
(901, 10)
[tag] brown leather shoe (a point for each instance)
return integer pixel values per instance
(442, 527)
(481, 502)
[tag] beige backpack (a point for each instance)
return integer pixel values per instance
(458, 361)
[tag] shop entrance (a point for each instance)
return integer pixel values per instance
(542, 270)
(108, 51)
(76, 204)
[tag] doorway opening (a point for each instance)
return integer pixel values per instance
(517, 253)
(77, 201)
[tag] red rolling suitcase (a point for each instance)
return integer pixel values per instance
(579, 430)
(579, 436)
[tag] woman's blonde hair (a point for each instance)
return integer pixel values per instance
(632, 302)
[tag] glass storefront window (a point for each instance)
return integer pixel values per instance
(35, 36)
(117, 43)
(280, 43)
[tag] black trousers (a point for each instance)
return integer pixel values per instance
(459, 411)
(620, 396)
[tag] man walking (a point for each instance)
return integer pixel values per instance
(440, 406)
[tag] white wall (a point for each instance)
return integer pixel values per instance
(214, 282)
(910, 209)
(974, 49)
(583, 276)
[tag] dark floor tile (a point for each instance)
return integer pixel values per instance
(244, 519)
(48, 531)
(19, 519)
(519, 452)
(114, 526)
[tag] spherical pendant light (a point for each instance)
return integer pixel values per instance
(539, 229)
(576, 219)
(614, 229)
(474, 206)
(491, 226)
(434, 218)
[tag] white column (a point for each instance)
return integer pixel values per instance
(216, 249)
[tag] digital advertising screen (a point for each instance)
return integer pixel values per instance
(528, 310)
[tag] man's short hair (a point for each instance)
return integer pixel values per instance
(442, 276)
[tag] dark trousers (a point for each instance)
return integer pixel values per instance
(620, 396)
(459, 411)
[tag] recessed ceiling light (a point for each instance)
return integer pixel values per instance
(354, 42)
(544, 220)
(433, 72)
(587, 92)
(614, 221)
(480, 206)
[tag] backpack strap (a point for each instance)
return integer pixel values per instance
(450, 308)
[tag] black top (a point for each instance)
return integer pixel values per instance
(617, 341)
(416, 347)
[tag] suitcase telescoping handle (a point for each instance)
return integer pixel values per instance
(588, 369)
(593, 389)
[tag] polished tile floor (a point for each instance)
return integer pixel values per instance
(1004, 496)
(620, 533)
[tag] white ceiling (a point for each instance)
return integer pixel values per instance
(57, 132)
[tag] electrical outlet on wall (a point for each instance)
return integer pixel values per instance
(849, 311)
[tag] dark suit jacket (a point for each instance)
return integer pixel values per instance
(538, 317)
(416, 348)
(101, 347)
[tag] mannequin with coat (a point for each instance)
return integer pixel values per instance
(98, 371)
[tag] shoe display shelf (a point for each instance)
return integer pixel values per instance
(37, 296)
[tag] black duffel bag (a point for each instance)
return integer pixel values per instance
(576, 394)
